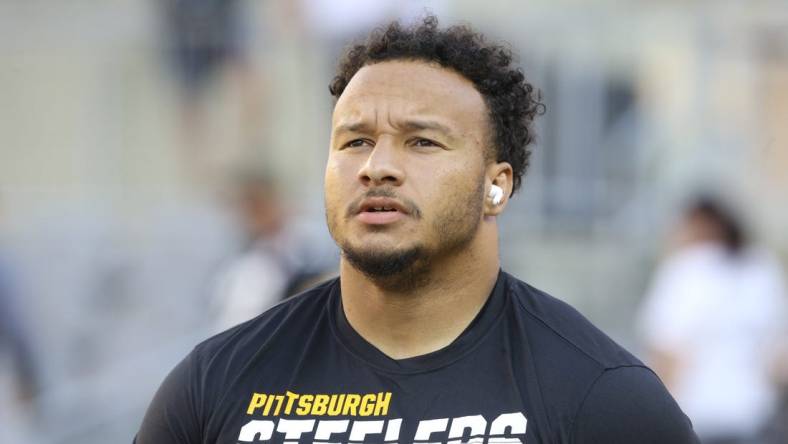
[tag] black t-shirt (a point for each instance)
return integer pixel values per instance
(529, 369)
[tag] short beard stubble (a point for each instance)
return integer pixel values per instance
(408, 269)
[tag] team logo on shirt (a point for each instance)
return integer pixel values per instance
(359, 418)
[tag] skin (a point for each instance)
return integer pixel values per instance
(418, 133)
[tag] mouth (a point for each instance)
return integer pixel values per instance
(381, 211)
(381, 205)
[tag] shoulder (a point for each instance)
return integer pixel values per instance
(296, 313)
(629, 404)
(594, 388)
(186, 397)
(554, 323)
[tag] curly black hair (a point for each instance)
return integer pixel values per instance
(513, 104)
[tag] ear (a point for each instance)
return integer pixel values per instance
(499, 174)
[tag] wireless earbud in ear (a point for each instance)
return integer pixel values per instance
(496, 194)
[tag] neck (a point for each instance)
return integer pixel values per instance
(426, 318)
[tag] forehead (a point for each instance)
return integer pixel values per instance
(407, 87)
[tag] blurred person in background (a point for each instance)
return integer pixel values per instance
(206, 41)
(712, 320)
(279, 257)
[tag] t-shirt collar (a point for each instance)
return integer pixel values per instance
(461, 346)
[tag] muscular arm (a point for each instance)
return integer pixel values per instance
(629, 405)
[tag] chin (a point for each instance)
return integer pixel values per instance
(380, 242)
(380, 262)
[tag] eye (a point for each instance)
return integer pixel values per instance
(420, 142)
(355, 143)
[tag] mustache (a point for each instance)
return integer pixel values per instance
(409, 205)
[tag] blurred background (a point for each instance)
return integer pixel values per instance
(161, 167)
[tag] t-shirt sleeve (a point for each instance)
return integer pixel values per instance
(173, 415)
(630, 405)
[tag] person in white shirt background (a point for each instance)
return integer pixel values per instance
(713, 321)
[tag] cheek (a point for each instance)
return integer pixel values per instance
(330, 188)
(340, 169)
(329, 180)
(447, 192)
(337, 184)
(452, 177)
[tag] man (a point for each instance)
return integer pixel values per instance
(422, 338)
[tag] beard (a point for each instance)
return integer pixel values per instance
(389, 265)
(406, 269)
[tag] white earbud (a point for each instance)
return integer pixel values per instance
(496, 194)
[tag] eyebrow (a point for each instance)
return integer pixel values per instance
(416, 125)
(409, 125)
(355, 127)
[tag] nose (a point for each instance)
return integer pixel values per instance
(383, 166)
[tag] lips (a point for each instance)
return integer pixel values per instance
(381, 204)
(380, 211)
